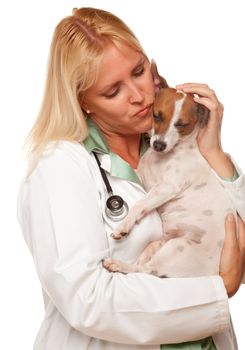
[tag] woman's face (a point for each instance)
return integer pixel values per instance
(121, 99)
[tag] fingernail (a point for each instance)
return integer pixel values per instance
(230, 217)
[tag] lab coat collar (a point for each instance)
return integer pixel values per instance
(112, 163)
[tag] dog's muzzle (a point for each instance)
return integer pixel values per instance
(159, 146)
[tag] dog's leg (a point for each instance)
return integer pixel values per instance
(157, 196)
(114, 265)
(149, 251)
(176, 258)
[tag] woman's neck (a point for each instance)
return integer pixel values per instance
(126, 146)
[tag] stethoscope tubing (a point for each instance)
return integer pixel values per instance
(116, 208)
(104, 177)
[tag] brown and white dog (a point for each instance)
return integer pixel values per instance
(181, 185)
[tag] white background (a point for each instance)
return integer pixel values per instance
(191, 40)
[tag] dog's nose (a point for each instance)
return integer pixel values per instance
(159, 146)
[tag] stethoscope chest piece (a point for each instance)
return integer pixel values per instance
(116, 208)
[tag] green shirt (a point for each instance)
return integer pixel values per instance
(119, 167)
(203, 344)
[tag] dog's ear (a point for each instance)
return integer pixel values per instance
(159, 81)
(202, 115)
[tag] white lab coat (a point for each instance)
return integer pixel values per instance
(60, 210)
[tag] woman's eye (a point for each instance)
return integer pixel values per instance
(113, 94)
(139, 72)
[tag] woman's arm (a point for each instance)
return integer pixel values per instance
(60, 215)
(233, 255)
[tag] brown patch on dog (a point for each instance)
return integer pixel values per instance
(182, 216)
(207, 212)
(193, 233)
(178, 208)
(197, 187)
(180, 248)
(220, 243)
(188, 116)
(164, 106)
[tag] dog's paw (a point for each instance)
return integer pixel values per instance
(127, 225)
(117, 235)
(112, 265)
(122, 230)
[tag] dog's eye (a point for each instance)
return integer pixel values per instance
(158, 117)
(181, 124)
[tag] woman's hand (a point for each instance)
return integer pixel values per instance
(232, 260)
(209, 137)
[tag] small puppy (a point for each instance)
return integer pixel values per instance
(181, 185)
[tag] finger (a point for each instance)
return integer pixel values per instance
(230, 231)
(204, 88)
(191, 84)
(208, 103)
(201, 90)
(241, 233)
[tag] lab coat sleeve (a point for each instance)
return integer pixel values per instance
(236, 190)
(61, 221)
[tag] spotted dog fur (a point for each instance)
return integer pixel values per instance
(187, 194)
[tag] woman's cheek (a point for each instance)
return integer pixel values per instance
(149, 84)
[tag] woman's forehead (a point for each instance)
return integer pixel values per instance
(116, 62)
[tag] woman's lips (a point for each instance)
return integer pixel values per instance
(144, 111)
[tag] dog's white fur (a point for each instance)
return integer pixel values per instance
(192, 204)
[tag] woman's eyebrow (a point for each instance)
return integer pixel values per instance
(108, 87)
(140, 62)
(112, 85)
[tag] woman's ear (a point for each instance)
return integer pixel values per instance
(84, 106)
(159, 81)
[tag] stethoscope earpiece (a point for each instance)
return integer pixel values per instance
(116, 208)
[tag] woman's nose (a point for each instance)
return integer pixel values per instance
(136, 95)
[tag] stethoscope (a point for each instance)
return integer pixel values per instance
(116, 208)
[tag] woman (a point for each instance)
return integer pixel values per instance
(98, 97)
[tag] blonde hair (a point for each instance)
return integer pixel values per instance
(76, 50)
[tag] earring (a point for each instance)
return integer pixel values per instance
(88, 111)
